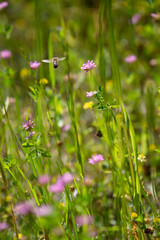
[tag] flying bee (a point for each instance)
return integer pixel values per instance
(54, 60)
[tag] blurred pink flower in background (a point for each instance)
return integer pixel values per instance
(12, 100)
(34, 65)
(66, 127)
(156, 16)
(3, 225)
(24, 208)
(3, 5)
(153, 15)
(84, 220)
(130, 59)
(43, 210)
(95, 159)
(58, 187)
(90, 94)
(135, 18)
(72, 76)
(153, 62)
(88, 66)
(61, 182)
(5, 54)
(66, 178)
(44, 179)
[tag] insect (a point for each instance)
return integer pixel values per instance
(54, 60)
(99, 134)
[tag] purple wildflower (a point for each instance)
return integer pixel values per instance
(153, 15)
(30, 135)
(90, 94)
(44, 179)
(83, 220)
(156, 16)
(28, 125)
(58, 187)
(67, 178)
(130, 59)
(5, 54)
(43, 210)
(88, 66)
(24, 208)
(3, 5)
(66, 127)
(135, 18)
(34, 65)
(95, 159)
(3, 225)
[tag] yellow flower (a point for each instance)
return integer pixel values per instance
(43, 81)
(152, 147)
(156, 220)
(134, 215)
(61, 205)
(88, 105)
(19, 236)
(119, 116)
(109, 86)
(8, 198)
(24, 73)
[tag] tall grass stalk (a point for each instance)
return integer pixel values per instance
(39, 36)
(53, 82)
(70, 103)
(113, 53)
(101, 43)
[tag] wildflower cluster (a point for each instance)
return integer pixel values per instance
(84, 220)
(5, 54)
(28, 207)
(95, 159)
(44, 179)
(101, 103)
(61, 182)
(88, 66)
(3, 5)
(28, 126)
(3, 225)
(90, 94)
(49, 186)
(34, 65)
(135, 19)
(130, 59)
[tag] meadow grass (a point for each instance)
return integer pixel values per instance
(79, 143)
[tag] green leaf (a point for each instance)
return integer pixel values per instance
(8, 31)
(27, 145)
(115, 106)
(10, 161)
(140, 218)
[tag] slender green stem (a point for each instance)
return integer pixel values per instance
(100, 43)
(113, 53)
(70, 102)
